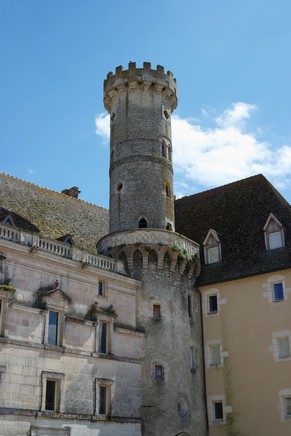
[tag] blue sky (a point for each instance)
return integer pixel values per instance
(231, 58)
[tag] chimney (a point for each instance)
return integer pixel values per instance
(72, 192)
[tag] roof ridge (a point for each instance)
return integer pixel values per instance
(260, 175)
(51, 190)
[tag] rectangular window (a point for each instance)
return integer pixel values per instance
(190, 306)
(287, 405)
(53, 327)
(215, 355)
(103, 337)
(159, 372)
(212, 304)
(50, 397)
(283, 348)
(101, 288)
(275, 240)
(218, 411)
(156, 311)
(212, 254)
(103, 400)
(278, 293)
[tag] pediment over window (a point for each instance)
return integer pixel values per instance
(53, 298)
(212, 247)
(274, 233)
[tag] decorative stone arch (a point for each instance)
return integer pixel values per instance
(166, 261)
(137, 259)
(152, 259)
(122, 263)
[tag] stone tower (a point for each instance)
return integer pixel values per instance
(140, 102)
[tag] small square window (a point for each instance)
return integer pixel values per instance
(156, 311)
(212, 304)
(212, 254)
(53, 327)
(215, 355)
(159, 372)
(287, 406)
(278, 292)
(275, 240)
(283, 347)
(103, 337)
(101, 288)
(218, 411)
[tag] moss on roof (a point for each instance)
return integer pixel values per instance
(238, 212)
(53, 213)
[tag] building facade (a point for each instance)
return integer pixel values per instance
(104, 343)
(244, 229)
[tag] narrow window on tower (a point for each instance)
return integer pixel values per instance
(156, 311)
(159, 373)
(142, 223)
(190, 306)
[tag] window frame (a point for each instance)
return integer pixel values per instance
(276, 300)
(209, 311)
(157, 311)
(159, 373)
(280, 348)
(106, 385)
(287, 399)
(215, 418)
(101, 287)
(58, 379)
(100, 339)
(273, 227)
(59, 333)
(212, 361)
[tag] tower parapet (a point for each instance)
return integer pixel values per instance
(146, 77)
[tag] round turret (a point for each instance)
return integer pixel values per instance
(140, 102)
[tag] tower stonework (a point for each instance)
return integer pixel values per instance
(142, 239)
(140, 102)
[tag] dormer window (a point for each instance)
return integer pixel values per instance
(274, 233)
(8, 221)
(212, 247)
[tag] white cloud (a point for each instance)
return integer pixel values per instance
(30, 171)
(213, 156)
(236, 115)
(102, 122)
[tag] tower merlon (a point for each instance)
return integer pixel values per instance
(133, 77)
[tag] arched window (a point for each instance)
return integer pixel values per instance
(137, 259)
(142, 224)
(153, 260)
(164, 149)
(167, 261)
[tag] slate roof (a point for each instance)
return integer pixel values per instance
(237, 212)
(53, 213)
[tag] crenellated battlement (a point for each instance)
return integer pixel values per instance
(134, 77)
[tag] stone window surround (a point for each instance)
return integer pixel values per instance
(59, 379)
(274, 348)
(208, 357)
(102, 318)
(283, 394)
(105, 288)
(205, 302)
(211, 400)
(4, 301)
(108, 384)
(269, 291)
